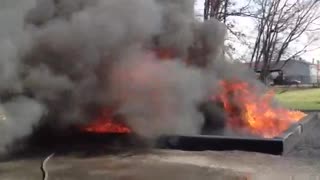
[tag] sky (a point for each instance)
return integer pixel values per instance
(246, 25)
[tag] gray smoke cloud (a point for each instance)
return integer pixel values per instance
(158, 97)
(61, 58)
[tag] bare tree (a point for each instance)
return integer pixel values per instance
(279, 24)
(224, 10)
(215, 9)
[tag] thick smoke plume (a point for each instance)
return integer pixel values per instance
(63, 58)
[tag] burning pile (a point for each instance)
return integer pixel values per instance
(149, 58)
(248, 112)
(105, 123)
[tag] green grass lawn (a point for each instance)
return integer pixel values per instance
(307, 99)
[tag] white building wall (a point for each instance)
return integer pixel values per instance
(313, 73)
(298, 71)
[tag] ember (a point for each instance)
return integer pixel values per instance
(248, 112)
(105, 123)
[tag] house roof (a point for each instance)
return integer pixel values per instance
(274, 67)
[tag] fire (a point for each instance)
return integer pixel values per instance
(252, 113)
(246, 110)
(105, 123)
(163, 53)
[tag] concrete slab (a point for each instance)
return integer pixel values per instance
(165, 165)
(137, 167)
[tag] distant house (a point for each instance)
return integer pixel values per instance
(300, 70)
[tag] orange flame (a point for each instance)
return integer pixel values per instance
(252, 113)
(164, 54)
(106, 124)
